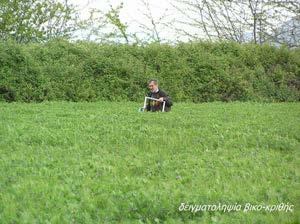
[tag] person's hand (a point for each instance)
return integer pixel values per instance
(161, 99)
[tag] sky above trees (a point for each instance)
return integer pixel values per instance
(146, 21)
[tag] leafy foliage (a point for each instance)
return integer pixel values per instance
(198, 72)
(36, 20)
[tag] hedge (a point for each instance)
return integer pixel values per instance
(195, 72)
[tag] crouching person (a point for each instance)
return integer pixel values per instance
(159, 94)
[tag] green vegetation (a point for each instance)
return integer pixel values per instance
(64, 162)
(36, 20)
(195, 72)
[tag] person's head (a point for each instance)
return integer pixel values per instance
(153, 85)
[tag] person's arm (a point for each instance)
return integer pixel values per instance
(166, 98)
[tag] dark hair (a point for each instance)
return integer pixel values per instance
(153, 80)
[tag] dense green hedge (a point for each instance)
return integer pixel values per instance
(197, 72)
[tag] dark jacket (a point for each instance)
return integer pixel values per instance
(157, 106)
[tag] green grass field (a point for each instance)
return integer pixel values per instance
(106, 163)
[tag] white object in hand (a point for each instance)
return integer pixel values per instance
(151, 98)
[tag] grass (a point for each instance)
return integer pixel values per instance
(106, 163)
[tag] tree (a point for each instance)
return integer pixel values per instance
(36, 20)
(241, 21)
(284, 27)
(113, 17)
(106, 26)
(151, 27)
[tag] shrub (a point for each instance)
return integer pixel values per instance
(198, 72)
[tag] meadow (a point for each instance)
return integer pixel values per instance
(104, 162)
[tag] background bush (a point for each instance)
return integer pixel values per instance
(197, 72)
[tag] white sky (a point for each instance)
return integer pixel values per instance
(132, 13)
(131, 8)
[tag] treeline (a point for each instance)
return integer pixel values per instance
(197, 72)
